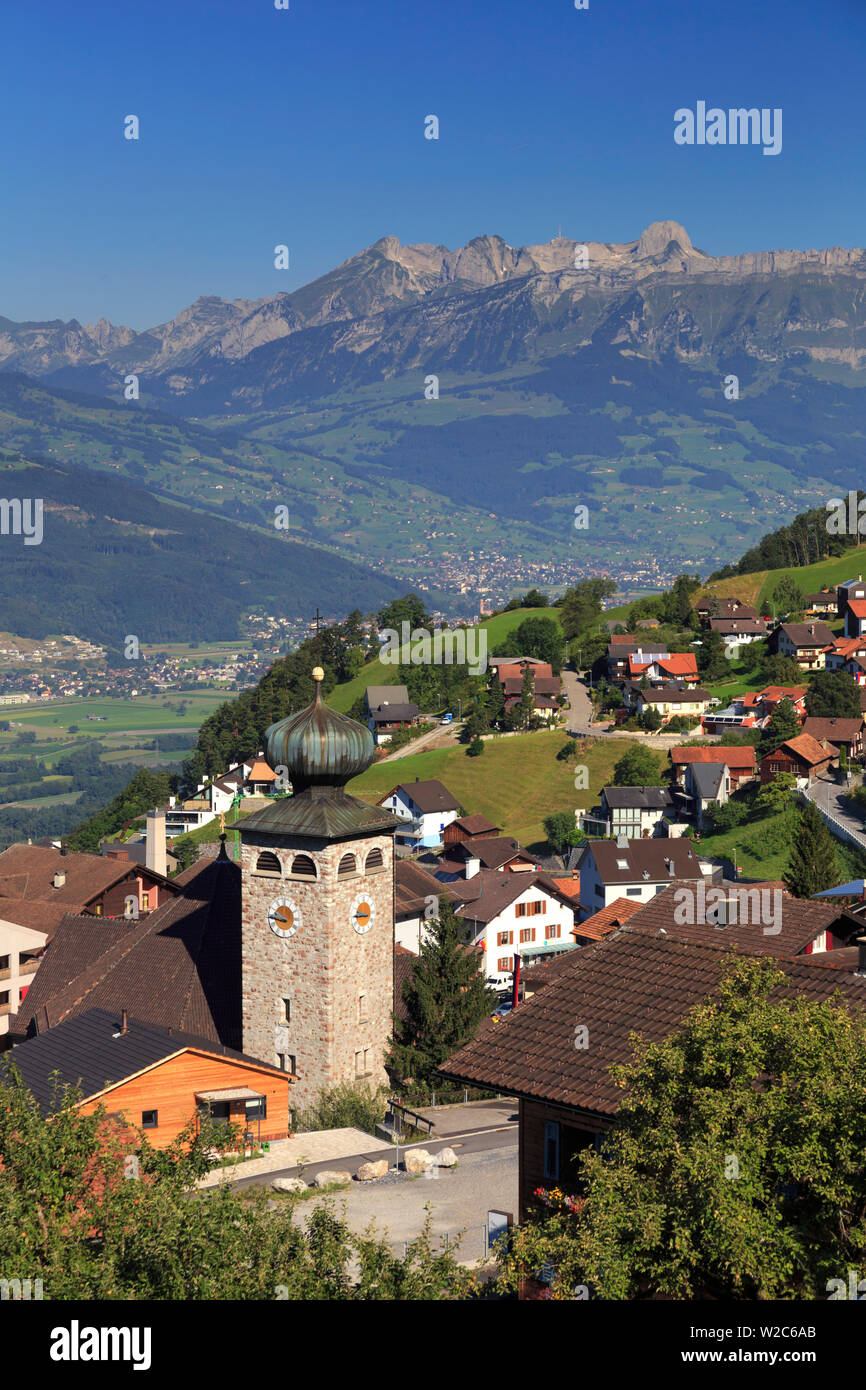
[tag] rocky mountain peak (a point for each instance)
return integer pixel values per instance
(655, 239)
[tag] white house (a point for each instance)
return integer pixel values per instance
(637, 869)
(426, 808)
(636, 812)
(20, 948)
(514, 914)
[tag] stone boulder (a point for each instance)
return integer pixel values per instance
(418, 1161)
(446, 1158)
(368, 1172)
(328, 1176)
(289, 1185)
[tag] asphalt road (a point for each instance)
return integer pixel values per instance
(463, 1142)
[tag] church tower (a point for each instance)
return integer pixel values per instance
(317, 873)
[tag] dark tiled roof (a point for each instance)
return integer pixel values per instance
(639, 856)
(728, 627)
(816, 634)
(414, 885)
(390, 714)
(429, 796)
(801, 919)
(27, 871)
(634, 982)
(320, 813)
(493, 892)
(476, 825)
(833, 730)
(492, 853)
(90, 1051)
(34, 913)
(643, 798)
(674, 695)
(178, 967)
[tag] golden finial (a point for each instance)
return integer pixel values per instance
(318, 674)
(222, 822)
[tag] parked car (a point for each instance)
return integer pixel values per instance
(447, 719)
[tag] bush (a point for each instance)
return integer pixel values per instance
(475, 748)
(726, 817)
(349, 1104)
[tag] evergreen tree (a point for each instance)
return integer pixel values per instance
(813, 865)
(445, 999)
(712, 662)
(782, 725)
(527, 697)
(833, 695)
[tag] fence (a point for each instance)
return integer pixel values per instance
(842, 832)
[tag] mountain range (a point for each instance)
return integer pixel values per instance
(566, 372)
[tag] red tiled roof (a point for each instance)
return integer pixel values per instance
(857, 607)
(734, 756)
(607, 919)
(805, 748)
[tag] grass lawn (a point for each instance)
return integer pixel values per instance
(762, 849)
(754, 588)
(515, 782)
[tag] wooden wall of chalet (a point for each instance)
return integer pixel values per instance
(575, 1134)
(171, 1087)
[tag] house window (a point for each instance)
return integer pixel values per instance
(536, 908)
(374, 861)
(287, 1010)
(362, 1008)
(4, 962)
(504, 964)
(256, 1109)
(632, 892)
(359, 1064)
(150, 1119)
(552, 931)
(505, 938)
(527, 934)
(551, 1149)
(347, 866)
(303, 867)
(268, 863)
(520, 910)
(145, 902)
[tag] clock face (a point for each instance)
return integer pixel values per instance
(362, 915)
(284, 918)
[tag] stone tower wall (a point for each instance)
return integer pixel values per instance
(324, 968)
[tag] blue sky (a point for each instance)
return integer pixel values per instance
(305, 127)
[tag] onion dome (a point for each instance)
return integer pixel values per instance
(318, 746)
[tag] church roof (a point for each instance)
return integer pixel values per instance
(320, 813)
(318, 746)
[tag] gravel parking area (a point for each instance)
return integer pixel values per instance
(459, 1198)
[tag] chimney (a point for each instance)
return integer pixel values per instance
(861, 956)
(670, 864)
(123, 1021)
(59, 879)
(622, 842)
(472, 867)
(155, 855)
